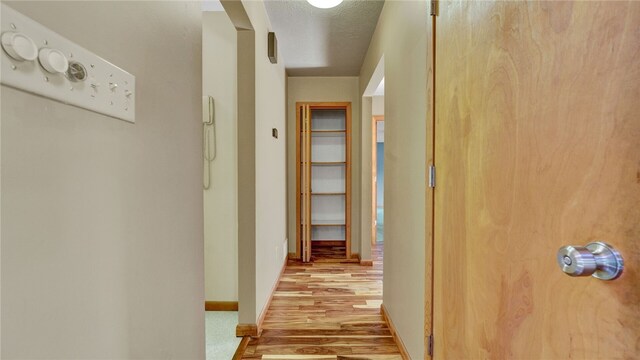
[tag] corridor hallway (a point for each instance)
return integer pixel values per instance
(326, 311)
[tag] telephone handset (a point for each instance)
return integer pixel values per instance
(209, 150)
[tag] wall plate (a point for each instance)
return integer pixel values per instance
(90, 82)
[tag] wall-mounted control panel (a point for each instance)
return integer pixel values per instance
(37, 60)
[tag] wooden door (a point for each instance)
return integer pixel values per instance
(537, 147)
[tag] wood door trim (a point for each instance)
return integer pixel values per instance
(374, 176)
(220, 306)
(309, 177)
(298, 188)
(348, 180)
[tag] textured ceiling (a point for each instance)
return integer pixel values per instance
(323, 42)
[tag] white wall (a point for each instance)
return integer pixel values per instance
(220, 201)
(271, 206)
(328, 89)
(366, 202)
(261, 160)
(401, 36)
(377, 105)
(102, 236)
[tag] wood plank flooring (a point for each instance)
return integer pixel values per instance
(326, 311)
(319, 253)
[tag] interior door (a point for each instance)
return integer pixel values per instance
(537, 147)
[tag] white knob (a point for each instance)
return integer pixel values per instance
(53, 60)
(19, 46)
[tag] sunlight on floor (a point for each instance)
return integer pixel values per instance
(220, 332)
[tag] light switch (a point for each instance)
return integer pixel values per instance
(19, 46)
(64, 71)
(53, 60)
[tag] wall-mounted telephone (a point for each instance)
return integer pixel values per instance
(209, 150)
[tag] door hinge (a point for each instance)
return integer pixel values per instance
(430, 345)
(433, 7)
(432, 176)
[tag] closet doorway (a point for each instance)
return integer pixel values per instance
(323, 182)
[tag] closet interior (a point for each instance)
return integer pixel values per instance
(324, 181)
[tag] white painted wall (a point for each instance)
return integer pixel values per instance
(271, 206)
(401, 37)
(327, 89)
(219, 53)
(102, 228)
(377, 105)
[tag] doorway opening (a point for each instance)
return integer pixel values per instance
(373, 171)
(377, 176)
(219, 154)
(324, 181)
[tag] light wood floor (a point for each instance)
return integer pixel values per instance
(326, 311)
(319, 253)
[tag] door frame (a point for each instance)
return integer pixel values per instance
(374, 177)
(320, 106)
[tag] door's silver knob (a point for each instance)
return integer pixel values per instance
(597, 259)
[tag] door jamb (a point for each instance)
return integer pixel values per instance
(374, 177)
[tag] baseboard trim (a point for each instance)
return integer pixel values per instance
(255, 330)
(247, 330)
(220, 306)
(366, 262)
(266, 307)
(242, 347)
(403, 350)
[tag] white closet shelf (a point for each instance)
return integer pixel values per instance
(328, 193)
(327, 223)
(328, 134)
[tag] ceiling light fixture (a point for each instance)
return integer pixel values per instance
(324, 4)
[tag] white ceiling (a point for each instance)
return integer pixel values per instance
(323, 42)
(212, 5)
